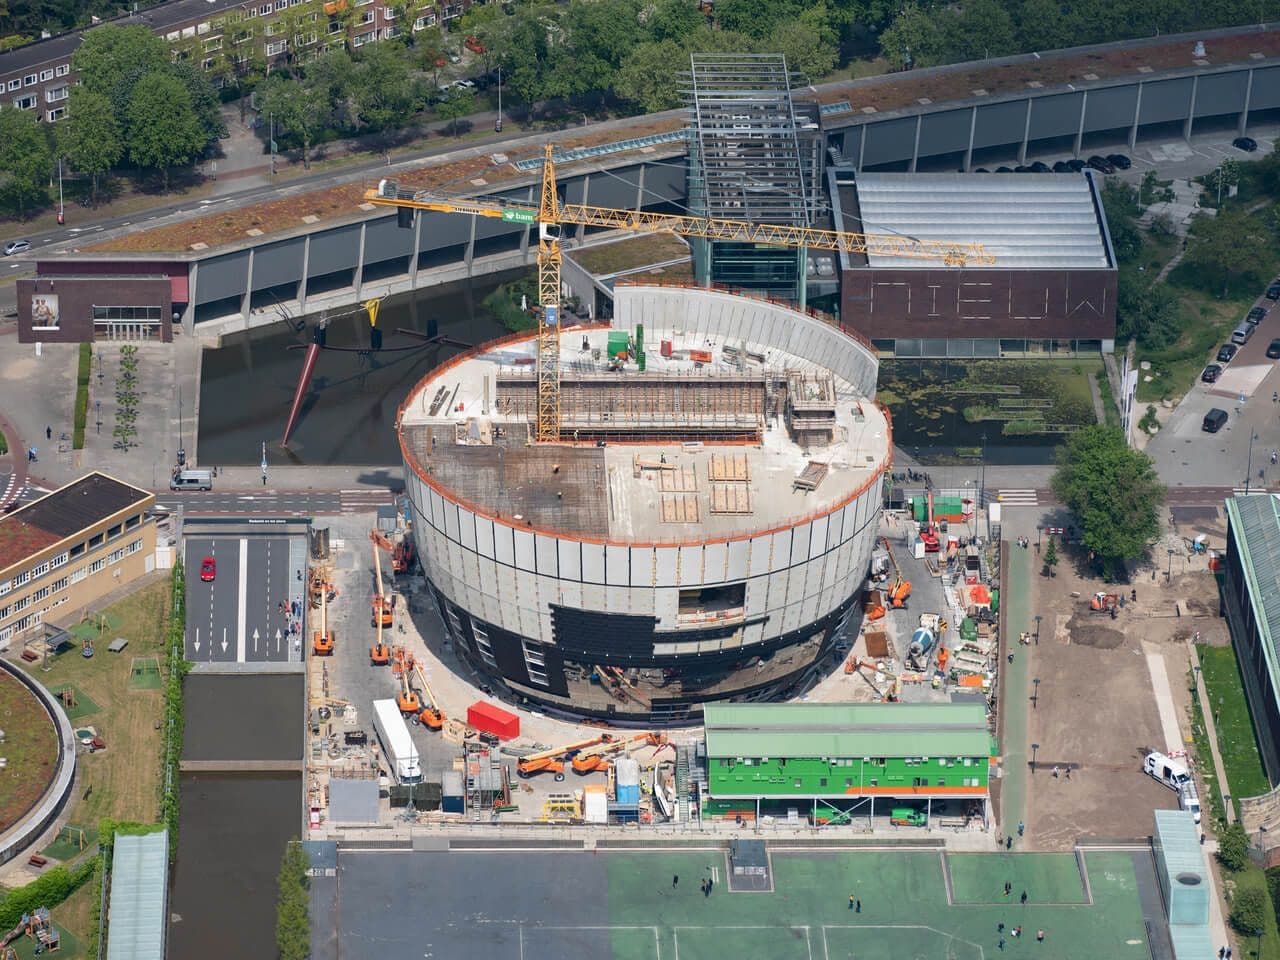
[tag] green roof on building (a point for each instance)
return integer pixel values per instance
(793, 730)
(1256, 522)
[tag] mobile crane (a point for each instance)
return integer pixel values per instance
(551, 214)
(382, 606)
(322, 643)
(552, 760)
(600, 757)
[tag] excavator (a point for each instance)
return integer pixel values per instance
(431, 717)
(383, 606)
(552, 760)
(322, 642)
(896, 595)
(407, 700)
(600, 757)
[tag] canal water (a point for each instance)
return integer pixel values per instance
(348, 417)
(235, 824)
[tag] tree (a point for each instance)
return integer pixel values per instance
(1249, 910)
(111, 60)
(90, 136)
(300, 109)
(163, 129)
(650, 76)
(1231, 245)
(1042, 25)
(293, 923)
(456, 106)
(1147, 311)
(1050, 557)
(1113, 492)
(1233, 847)
(204, 100)
(1223, 177)
(979, 30)
(26, 162)
(673, 20)
(806, 52)
(334, 75)
(600, 35)
(385, 94)
(913, 39)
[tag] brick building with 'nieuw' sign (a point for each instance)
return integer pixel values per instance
(71, 548)
(832, 762)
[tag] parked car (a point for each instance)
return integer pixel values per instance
(1040, 167)
(1214, 420)
(1076, 164)
(1273, 350)
(1062, 167)
(1211, 373)
(1119, 161)
(474, 45)
(1273, 291)
(16, 246)
(1256, 315)
(1247, 144)
(1226, 352)
(982, 170)
(1004, 169)
(1101, 164)
(1022, 168)
(208, 569)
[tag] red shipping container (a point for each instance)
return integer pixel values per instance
(490, 719)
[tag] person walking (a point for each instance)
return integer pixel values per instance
(1068, 772)
(857, 906)
(1024, 898)
(1008, 888)
(48, 435)
(852, 901)
(1008, 843)
(675, 879)
(1001, 943)
(1021, 828)
(1039, 936)
(1055, 771)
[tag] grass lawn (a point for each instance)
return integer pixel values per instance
(123, 780)
(1236, 740)
(1253, 878)
(1175, 370)
(31, 749)
(1071, 376)
(72, 947)
(628, 254)
(83, 705)
(67, 846)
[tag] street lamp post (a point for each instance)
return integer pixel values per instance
(97, 406)
(1035, 697)
(1038, 619)
(1248, 470)
(61, 209)
(1168, 574)
(1035, 747)
(1039, 536)
(497, 124)
(982, 473)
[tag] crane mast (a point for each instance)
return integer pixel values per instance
(548, 428)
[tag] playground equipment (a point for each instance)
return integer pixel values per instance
(86, 649)
(39, 928)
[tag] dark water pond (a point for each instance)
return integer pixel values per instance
(247, 385)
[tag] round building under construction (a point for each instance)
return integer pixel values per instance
(700, 534)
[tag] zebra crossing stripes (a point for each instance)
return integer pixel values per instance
(1018, 497)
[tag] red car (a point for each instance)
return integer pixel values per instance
(208, 569)
(474, 45)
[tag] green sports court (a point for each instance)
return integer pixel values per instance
(574, 904)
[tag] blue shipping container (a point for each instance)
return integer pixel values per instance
(629, 793)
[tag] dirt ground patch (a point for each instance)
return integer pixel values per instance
(1097, 710)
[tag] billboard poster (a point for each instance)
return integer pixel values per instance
(44, 311)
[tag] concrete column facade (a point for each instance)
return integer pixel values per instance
(306, 271)
(973, 126)
(1243, 123)
(245, 305)
(357, 278)
(1079, 141)
(915, 146)
(1137, 117)
(1026, 134)
(189, 315)
(1191, 110)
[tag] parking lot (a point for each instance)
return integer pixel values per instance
(234, 604)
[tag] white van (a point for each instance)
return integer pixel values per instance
(1171, 773)
(1189, 800)
(192, 480)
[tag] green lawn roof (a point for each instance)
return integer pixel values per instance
(794, 730)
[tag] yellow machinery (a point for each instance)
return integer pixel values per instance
(601, 757)
(432, 717)
(551, 214)
(322, 642)
(552, 760)
(402, 666)
(561, 808)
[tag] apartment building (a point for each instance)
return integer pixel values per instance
(221, 35)
(69, 549)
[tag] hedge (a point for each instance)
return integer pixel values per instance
(82, 396)
(49, 890)
(176, 668)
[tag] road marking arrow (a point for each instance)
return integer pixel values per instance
(255, 639)
(277, 639)
(197, 643)
(224, 639)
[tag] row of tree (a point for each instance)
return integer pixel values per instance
(133, 106)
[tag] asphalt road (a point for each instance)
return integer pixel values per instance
(276, 503)
(236, 617)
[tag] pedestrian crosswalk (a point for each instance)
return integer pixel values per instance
(1018, 497)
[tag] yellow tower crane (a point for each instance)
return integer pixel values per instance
(551, 214)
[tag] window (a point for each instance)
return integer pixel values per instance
(21, 604)
(46, 74)
(873, 782)
(15, 84)
(96, 540)
(276, 48)
(6, 634)
(97, 565)
(77, 550)
(59, 585)
(429, 20)
(29, 80)
(270, 29)
(134, 314)
(5, 587)
(25, 103)
(822, 781)
(113, 532)
(133, 521)
(388, 13)
(390, 33)
(265, 10)
(4, 611)
(40, 569)
(41, 594)
(211, 45)
(78, 575)
(55, 94)
(368, 16)
(335, 26)
(133, 548)
(21, 578)
(362, 38)
(241, 36)
(848, 782)
(115, 556)
(535, 663)
(62, 69)
(58, 561)
(482, 644)
(57, 113)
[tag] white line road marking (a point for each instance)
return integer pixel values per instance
(243, 600)
(224, 643)
(197, 643)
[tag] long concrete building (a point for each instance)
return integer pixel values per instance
(701, 531)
